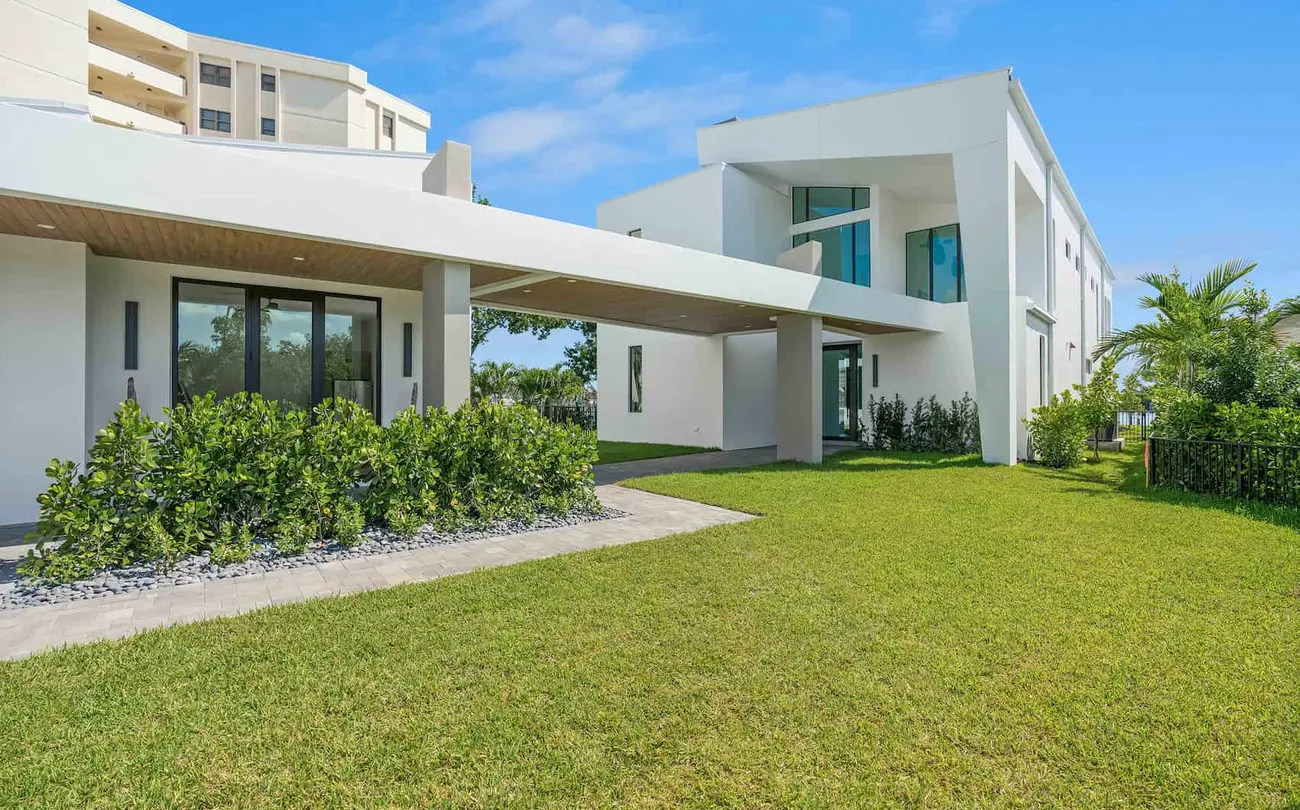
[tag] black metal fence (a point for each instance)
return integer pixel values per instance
(584, 416)
(1134, 425)
(1257, 472)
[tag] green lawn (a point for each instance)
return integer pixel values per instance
(892, 632)
(612, 452)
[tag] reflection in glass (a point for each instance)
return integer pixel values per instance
(286, 351)
(634, 379)
(351, 349)
(918, 264)
(846, 252)
(947, 265)
(210, 340)
(818, 202)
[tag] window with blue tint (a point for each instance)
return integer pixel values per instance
(846, 252)
(810, 203)
(934, 265)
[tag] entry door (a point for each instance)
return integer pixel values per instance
(841, 391)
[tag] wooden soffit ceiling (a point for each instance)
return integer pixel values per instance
(154, 239)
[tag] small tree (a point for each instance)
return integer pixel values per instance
(1099, 401)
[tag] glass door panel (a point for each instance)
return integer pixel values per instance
(209, 340)
(836, 382)
(351, 349)
(286, 351)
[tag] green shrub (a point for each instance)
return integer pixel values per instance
(1180, 415)
(293, 535)
(234, 544)
(215, 470)
(931, 427)
(1058, 432)
(404, 520)
(349, 522)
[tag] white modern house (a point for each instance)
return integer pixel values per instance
(272, 257)
(132, 70)
(939, 211)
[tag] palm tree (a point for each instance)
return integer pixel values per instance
(493, 382)
(1188, 321)
(539, 387)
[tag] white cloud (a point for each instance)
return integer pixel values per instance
(521, 132)
(596, 84)
(943, 17)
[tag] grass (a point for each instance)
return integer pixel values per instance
(614, 452)
(894, 631)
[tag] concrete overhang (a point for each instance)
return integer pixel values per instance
(135, 195)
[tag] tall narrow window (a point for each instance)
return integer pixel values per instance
(352, 349)
(934, 265)
(388, 126)
(875, 371)
(1042, 370)
(634, 379)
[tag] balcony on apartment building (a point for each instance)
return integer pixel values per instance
(104, 59)
(107, 111)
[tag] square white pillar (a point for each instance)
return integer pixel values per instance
(985, 179)
(799, 388)
(445, 328)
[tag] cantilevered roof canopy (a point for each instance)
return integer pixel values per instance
(181, 201)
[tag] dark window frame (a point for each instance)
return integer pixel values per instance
(387, 125)
(929, 247)
(268, 82)
(214, 74)
(131, 338)
(853, 384)
(252, 344)
(219, 123)
(796, 198)
(270, 121)
(875, 371)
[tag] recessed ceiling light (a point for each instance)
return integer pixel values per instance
(572, 280)
(299, 259)
(681, 316)
(527, 290)
(45, 227)
(744, 306)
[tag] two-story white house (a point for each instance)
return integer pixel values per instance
(947, 194)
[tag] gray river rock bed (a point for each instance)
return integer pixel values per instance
(265, 558)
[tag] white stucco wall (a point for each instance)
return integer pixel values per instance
(681, 383)
(749, 391)
(43, 344)
(113, 282)
(684, 211)
(755, 218)
(917, 365)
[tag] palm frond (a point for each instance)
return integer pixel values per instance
(1221, 278)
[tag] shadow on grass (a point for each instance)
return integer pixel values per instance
(1126, 474)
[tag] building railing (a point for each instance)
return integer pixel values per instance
(584, 416)
(1256, 472)
(1134, 425)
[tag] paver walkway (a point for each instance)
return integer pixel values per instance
(696, 462)
(28, 630)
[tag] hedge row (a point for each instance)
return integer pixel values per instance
(214, 475)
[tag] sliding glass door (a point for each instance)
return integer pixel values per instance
(292, 346)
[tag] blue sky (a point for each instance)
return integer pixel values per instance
(1177, 122)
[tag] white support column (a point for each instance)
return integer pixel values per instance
(445, 328)
(985, 182)
(445, 323)
(799, 388)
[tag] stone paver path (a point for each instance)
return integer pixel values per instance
(28, 630)
(696, 462)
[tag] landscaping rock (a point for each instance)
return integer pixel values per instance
(265, 558)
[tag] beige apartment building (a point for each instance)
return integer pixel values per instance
(132, 70)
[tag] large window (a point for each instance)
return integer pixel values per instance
(817, 202)
(215, 120)
(846, 252)
(214, 74)
(634, 379)
(309, 346)
(934, 265)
